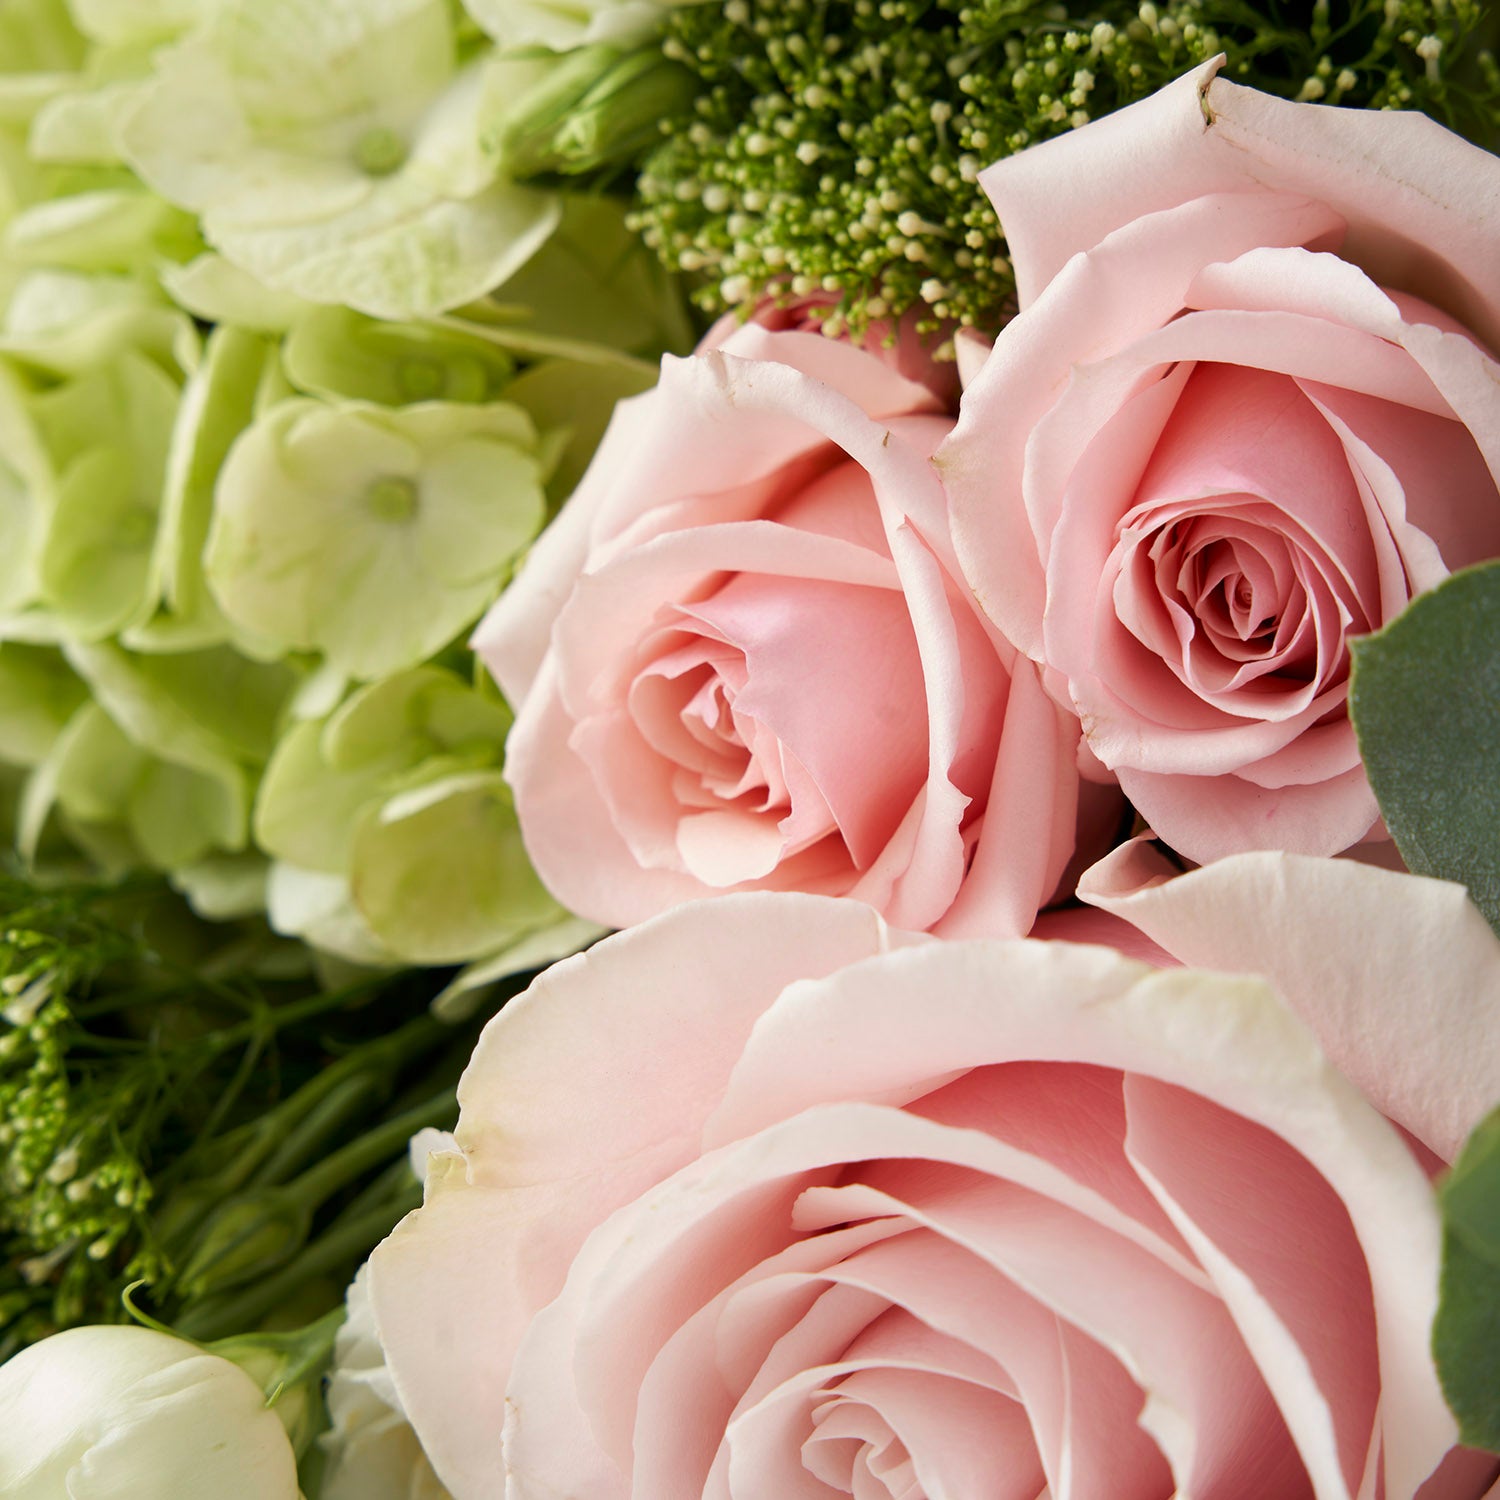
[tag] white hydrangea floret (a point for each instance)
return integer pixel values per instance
(332, 148)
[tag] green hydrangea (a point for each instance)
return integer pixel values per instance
(333, 148)
(291, 373)
(393, 831)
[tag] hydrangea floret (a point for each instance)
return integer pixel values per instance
(334, 150)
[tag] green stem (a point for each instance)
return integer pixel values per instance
(319, 1183)
(341, 1244)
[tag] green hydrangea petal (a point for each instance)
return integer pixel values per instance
(224, 887)
(127, 806)
(39, 36)
(217, 405)
(108, 230)
(39, 694)
(117, 21)
(440, 873)
(68, 323)
(561, 24)
(372, 536)
(404, 253)
(319, 909)
(466, 991)
(420, 713)
(218, 291)
(340, 354)
(26, 498)
(198, 709)
(178, 816)
(333, 151)
(306, 808)
(95, 561)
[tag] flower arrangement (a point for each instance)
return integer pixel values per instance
(748, 749)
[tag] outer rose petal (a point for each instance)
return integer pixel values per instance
(656, 1291)
(1422, 205)
(1351, 948)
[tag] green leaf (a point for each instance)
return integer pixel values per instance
(1425, 700)
(575, 401)
(593, 283)
(1466, 1333)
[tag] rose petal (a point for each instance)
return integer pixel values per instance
(1349, 947)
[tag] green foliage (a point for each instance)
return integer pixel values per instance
(833, 147)
(1425, 699)
(1466, 1334)
(235, 1146)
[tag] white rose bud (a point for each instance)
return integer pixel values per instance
(115, 1413)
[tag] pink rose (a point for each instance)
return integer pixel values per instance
(742, 658)
(762, 1200)
(1245, 413)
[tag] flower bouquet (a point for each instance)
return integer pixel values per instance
(748, 750)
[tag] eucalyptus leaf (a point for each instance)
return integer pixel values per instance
(1425, 700)
(1466, 1334)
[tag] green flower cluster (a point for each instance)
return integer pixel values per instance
(235, 1148)
(833, 147)
(292, 371)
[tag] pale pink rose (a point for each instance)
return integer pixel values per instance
(1244, 414)
(742, 658)
(763, 1200)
